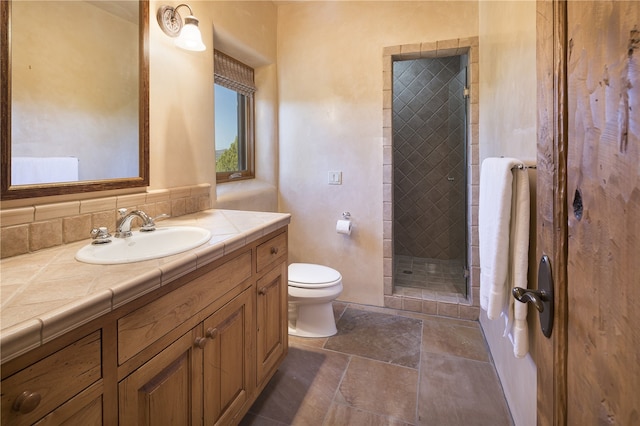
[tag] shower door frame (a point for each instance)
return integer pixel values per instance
(465, 307)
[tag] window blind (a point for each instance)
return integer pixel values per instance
(233, 74)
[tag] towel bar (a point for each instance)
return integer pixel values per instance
(522, 167)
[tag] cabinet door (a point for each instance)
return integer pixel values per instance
(271, 316)
(227, 357)
(166, 389)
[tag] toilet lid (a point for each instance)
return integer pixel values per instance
(310, 275)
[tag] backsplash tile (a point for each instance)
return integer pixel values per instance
(178, 207)
(105, 218)
(181, 192)
(158, 195)
(17, 216)
(45, 234)
(99, 204)
(76, 228)
(131, 200)
(28, 229)
(57, 210)
(14, 240)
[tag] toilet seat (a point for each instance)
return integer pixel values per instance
(308, 275)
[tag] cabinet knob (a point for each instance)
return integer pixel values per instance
(212, 333)
(262, 291)
(26, 402)
(200, 342)
(274, 250)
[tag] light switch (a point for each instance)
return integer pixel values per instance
(335, 178)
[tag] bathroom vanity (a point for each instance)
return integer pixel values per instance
(188, 340)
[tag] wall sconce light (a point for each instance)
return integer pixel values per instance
(187, 36)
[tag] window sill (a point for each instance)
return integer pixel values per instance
(250, 194)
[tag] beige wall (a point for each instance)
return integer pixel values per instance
(181, 113)
(330, 85)
(508, 128)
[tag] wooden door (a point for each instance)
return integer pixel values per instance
(603, 269)
(271, 314)
(167, 389)
(227, 358)
(588, 210)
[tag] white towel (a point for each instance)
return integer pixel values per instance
(504, 244)
(516, 315)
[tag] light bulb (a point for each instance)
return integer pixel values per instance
(190, 37)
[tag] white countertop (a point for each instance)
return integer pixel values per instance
(48, 293)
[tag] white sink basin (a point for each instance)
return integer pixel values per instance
(145, 245)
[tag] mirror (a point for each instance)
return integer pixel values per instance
(74, 95)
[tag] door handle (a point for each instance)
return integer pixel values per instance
(537, 297)
(542, 298)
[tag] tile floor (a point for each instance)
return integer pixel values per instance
(385, 367)
(434, 274)
(429, 279)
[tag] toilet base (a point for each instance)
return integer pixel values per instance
(311, 320)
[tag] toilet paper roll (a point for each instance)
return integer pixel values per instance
(343, 227)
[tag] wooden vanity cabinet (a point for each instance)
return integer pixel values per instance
(271, 307)
(228, 356)
(271, 315)
(202, 375)
(64, 384)
(197, 352)
(164, 390)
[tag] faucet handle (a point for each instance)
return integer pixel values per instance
(161, 217)
(100, 235)
(122, 212)
(150, 224)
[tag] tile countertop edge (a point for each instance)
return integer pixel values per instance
(26, 335)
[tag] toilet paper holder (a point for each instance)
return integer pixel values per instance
(344, 225)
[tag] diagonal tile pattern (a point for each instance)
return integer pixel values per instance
(428, 158)
(330, 382)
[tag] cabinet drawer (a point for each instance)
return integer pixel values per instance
(269, 251)
(51, 381)
(143, 326)
(82, 409)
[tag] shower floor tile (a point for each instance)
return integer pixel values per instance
(439, 278)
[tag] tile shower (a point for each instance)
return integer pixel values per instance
(429, 168)
(415, 299)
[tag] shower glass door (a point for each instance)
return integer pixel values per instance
(429, 190)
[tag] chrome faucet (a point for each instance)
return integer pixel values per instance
(123, 227)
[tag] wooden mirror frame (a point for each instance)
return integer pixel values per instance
(9, 191)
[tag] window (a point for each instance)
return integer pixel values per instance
(234, 118)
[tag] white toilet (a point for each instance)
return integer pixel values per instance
(312, 288)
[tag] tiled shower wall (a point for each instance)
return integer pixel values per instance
(469, 308)
(429, 158)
